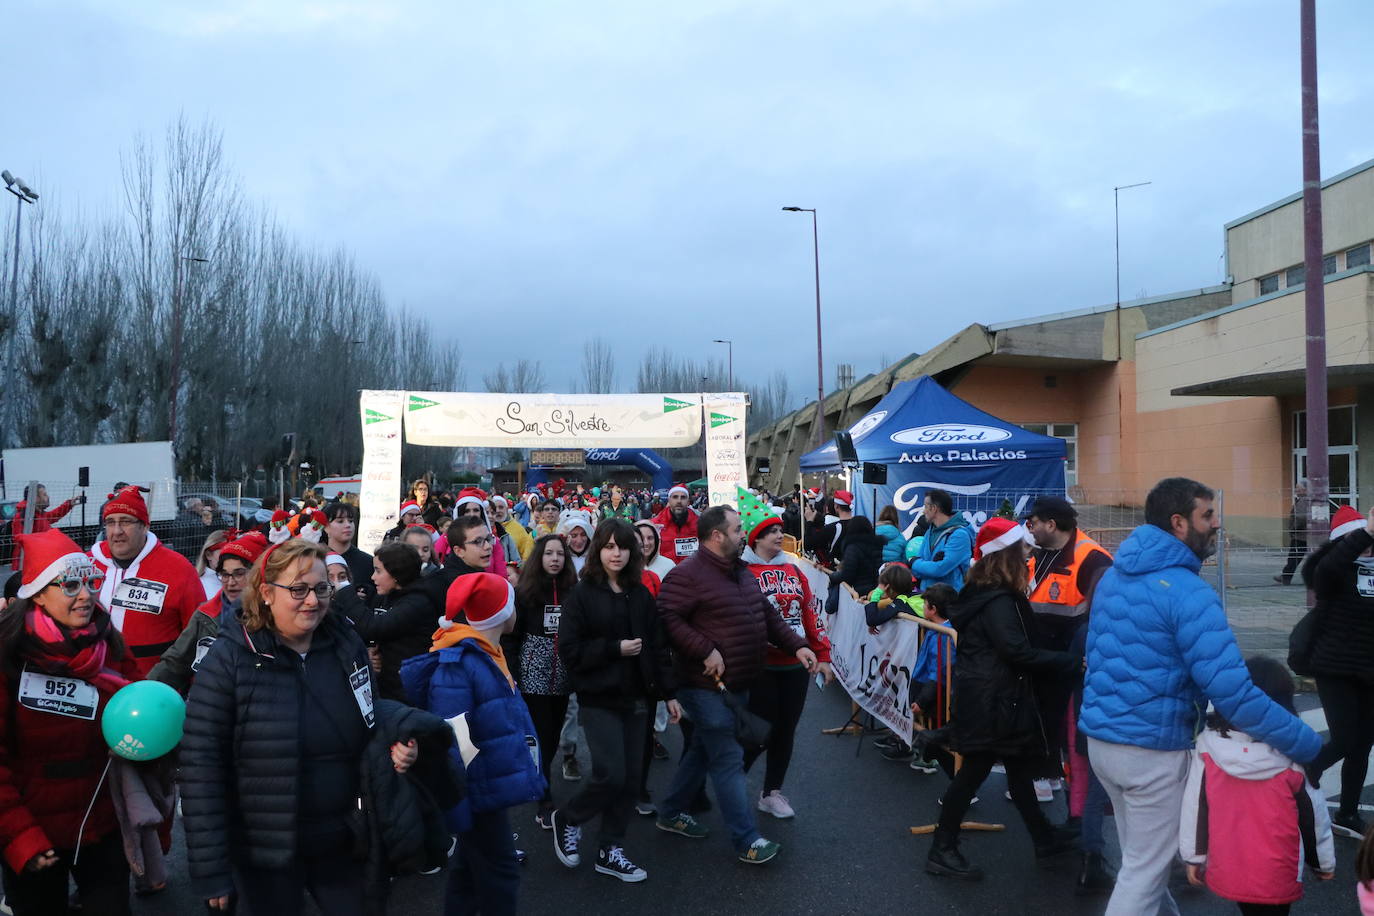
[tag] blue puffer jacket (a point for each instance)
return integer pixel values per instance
(464, 679)
(894, 545)
(1159, 648)
(945, 554)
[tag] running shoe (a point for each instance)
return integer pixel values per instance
(566, 839)
(610, 860)
(760, 851)
(776, 804)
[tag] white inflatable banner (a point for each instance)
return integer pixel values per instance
(552, 420)
(725, 445)
(379, 492)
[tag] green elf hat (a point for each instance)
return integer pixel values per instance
(754, 516)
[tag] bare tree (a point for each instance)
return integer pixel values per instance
(598, 366)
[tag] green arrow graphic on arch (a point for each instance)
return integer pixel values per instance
(419, 403)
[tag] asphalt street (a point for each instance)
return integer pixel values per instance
(848, 851)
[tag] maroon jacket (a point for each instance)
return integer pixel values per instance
(709, 602)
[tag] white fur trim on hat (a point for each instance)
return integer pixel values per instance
(334, 559)
(678, 488)
(1343, 530)
(1013, 535)
(54, 569)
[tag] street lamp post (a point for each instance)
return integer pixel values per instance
(730, 365)
(820, 365)
(176, 346)
(1116, 211)
(23, 194)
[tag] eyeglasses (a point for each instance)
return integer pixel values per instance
(71, 585)
(237, 575)
(121, 523)
(480, 542)
(300, 590)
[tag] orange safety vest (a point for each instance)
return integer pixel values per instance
(1058, 592)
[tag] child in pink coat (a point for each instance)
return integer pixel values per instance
(1250, 817)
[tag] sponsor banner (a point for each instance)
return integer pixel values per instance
(874, 668)
(380, 489)
(552, 420)
(725, 443)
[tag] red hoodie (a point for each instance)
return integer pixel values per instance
(150, 612)
(677, 544)
(784, 585)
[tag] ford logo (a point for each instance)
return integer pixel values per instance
(606, 455)
(867, 424)
(949, 434)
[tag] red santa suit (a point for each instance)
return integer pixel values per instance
(677, 543)
(151, 599)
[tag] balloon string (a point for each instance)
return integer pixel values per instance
(94, 795)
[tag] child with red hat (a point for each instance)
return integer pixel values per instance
(465, 679)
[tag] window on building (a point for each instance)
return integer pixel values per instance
(1069, 433)
(1269, 284)
(1342, 452)
(1328, 265)
(1357, 257)
(1295, 276)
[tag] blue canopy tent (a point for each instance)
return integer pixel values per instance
(646, 459)
(928, 438)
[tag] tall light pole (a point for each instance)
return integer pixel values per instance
(730, 368)
(820, 364)
(176, 346)
(1116, 211)
(23, 194)
(1314, 291)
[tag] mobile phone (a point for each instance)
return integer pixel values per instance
(820, 681)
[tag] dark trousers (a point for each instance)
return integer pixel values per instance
(484, 876)
(1297, 549)
(1020, 776)
(1349, 708)
(548, 713)
(779, 697)
(1264, 909)
(336, 884)
(615, 738)
(102, 882)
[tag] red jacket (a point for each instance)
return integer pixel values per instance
(42, 521)
(711, 602)
(784, 585)
(50, 766)
(677, 544)
(152, 617)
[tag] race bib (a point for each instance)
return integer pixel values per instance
(685, 547)
(142, 595)
(532, 745)
(361, 683)
(552, 614)
(202, 646)
(1364, 581)
(62, 696)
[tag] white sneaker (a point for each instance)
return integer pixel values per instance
(1043, 792)
(776, 804)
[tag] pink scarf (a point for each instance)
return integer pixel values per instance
(78, 653)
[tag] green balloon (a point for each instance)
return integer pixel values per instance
(596, 491)
(143, 720)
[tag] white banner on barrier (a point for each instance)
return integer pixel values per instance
(552, 420)
(379, 492)
(725, 444)
(874, 668)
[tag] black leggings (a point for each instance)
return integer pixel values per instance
(1264, 909)
(1349, 708)
(1021, 772)
(548, 713)
(779, 697)
(101, 874)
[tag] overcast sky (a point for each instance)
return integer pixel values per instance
(618, 167)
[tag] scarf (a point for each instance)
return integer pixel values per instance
(78, 653)
(443, 639)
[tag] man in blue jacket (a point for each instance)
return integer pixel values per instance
(1159, 648)
(948, 546)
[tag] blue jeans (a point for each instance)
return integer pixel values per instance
(1094, 812)
(484, 876)
(713, 749)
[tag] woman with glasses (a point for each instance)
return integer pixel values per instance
(62, 659)
(400, 620)
(179, 663)
(277, 723)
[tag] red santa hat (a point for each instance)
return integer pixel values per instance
(1346, 520)
(474, 492)
(128, 501)
(247, 548)
(410, 505)
(678, 488)
(844, 498)
(484, 600)
(48, 555)
(997, 533)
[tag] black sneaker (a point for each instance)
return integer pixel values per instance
(610, 860)
(544, 820)
(1351, 825)
(645, 807)
(886, 742)
(901, 752)
(565, 840)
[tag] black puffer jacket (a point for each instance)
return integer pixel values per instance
(863, 554)
(595, 620)
(1344, 641)
(401, 623)
(241, 764)
(995, 706)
